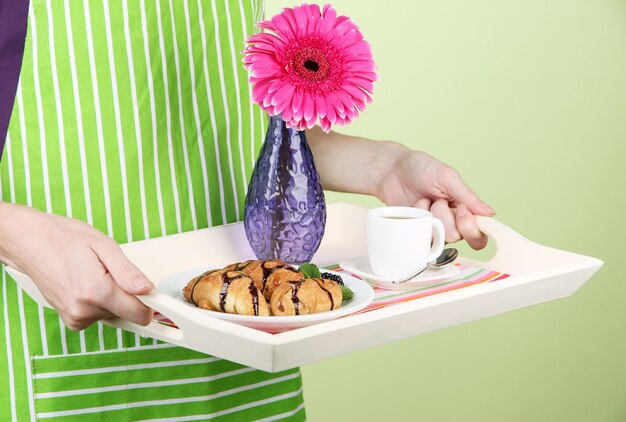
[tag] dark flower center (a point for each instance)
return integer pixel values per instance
(314, 65)
(311, 65)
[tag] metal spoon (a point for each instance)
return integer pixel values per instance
(447, 256)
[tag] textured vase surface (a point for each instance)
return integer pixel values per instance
(285, 211)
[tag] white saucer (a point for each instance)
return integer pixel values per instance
(360, 266)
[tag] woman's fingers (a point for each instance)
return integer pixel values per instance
(81, 324)
(459, 224)
(118, 285)
(100, 294)
(423, 203)
(124, 272)
(98, 298)
(81, 315)
(441, 210)
(112, 292)
(126, 305)
(78, 315)
(462, 194)
(468, 228)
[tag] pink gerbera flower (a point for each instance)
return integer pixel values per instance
(312, 65)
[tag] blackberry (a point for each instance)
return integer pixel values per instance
(334, 277)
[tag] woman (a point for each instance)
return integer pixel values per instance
(131, 123)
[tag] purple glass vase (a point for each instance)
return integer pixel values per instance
(285, 211)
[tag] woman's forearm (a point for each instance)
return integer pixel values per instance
(5, 219)
(353, 164)
(11, 229)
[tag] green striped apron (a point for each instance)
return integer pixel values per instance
(133, 116)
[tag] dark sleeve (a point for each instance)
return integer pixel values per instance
(13, 22)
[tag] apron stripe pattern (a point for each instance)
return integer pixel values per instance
(135, 117)
(129, 374)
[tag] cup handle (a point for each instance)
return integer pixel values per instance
(439, 240)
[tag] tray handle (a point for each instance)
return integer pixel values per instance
(192, 327)
(502, 235)
(510, 245)
(154, 329)
(154, 301)
(515, 254)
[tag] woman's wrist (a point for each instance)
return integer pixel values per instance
(5, 223)
(389, 157)
(15, 221)
(353, 164)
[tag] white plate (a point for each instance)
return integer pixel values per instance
(360, 266)
(363, 296)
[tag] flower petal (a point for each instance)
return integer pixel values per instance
(283, 94)
(361, 66)
(311, 17)
(325, 124)
(346, 99)
(265, 72)
(329, 14)
(260, 90)
(301, 18)
(354, 91)
(283, 29)
(297, 106)
(336, 103)
(362, 83)
(298, 100)
(371, 76)
(331, 113)
(275, 85)
(310, 122)
(287, 113)
(309, 107)
(320, 105)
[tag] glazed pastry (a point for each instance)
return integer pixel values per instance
(268, 275)
(228, 291)
(305, 297)
(329, 296)
(189, 289)
(293, 298)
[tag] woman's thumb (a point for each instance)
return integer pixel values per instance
(462, 194)
(124, 272)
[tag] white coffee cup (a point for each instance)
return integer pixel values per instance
(399, 240)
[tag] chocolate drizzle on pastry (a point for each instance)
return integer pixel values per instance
(254, 292)
(226, 280)
(243, 265)
(320, 283)
(294, 296)
(267, 272)
(196, 280)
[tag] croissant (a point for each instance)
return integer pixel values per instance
(188, 290)
(305, 297)
(228, 291)
(268, 275)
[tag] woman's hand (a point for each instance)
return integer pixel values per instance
(398, 175)
(419, 180)
(82, 273)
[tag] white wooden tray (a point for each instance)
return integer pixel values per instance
(538, 274)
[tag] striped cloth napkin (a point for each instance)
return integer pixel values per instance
(467, 277)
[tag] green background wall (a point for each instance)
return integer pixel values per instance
(527, 99)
